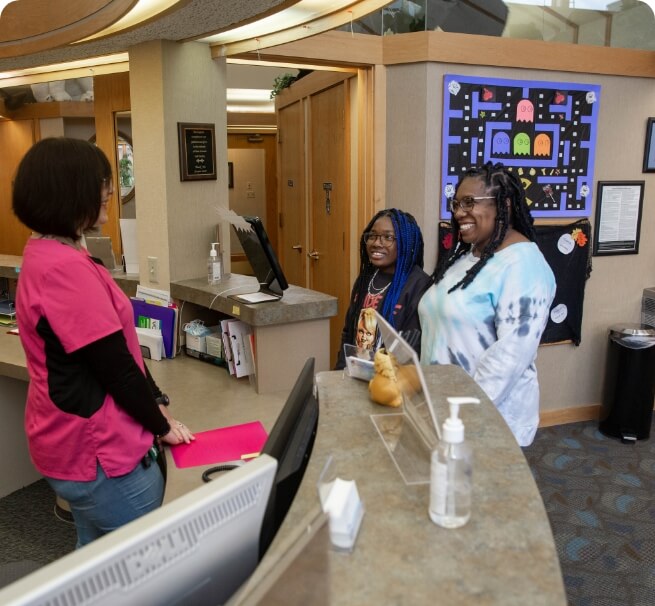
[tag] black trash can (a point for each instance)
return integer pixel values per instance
(629, 386)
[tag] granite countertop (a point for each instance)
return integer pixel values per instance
(297, 304)
(10, 266)
(12, 357)
(506, 553)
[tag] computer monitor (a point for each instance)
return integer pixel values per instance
(197, 549)
(290, 442)
(100, 248)
(262, 258)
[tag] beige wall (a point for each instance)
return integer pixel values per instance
(171, 83)
(569, 376)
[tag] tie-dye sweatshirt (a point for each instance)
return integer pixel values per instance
(492, 328)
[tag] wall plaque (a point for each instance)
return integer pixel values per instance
(197, 144)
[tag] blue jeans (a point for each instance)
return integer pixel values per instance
(104, 504)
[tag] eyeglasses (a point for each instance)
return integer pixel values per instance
(466, 203)
(108, 185)
(386, 240)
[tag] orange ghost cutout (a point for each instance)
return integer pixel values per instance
(542, 145)
(525, 111)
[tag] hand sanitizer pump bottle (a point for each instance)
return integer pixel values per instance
(451, 472)
(214, 265)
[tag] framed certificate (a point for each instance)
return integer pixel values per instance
(197, 144)
(618, 217)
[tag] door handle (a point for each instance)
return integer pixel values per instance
(297, 247)
(313, 255)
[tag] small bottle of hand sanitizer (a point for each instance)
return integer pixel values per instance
(214, 265)
(451, 472)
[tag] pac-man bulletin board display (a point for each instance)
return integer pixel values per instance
(545, 131)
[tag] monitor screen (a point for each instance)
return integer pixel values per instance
(262, 257)
(290, 442)
(197, 549)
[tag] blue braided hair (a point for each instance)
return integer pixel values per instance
(409, 247)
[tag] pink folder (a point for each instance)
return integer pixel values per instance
(220, 445)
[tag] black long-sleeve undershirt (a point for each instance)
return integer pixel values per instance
(114, 367)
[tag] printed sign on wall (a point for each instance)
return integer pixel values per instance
(545, 131)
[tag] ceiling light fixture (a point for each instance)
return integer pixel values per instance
(305, 18)
(142, 11)
(61, 71)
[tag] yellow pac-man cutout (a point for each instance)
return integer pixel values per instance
(526, 182)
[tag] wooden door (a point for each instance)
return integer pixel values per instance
(329, 184)
(16, 136)
(291, 180)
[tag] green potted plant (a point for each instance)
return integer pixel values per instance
(125, 171)
(282, 82)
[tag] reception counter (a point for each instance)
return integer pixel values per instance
(505, 555)
(286, 332)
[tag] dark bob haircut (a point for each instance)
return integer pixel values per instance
(58, 186)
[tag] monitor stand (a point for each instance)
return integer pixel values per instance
(261, 296)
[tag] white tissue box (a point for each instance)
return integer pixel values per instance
(345, 508)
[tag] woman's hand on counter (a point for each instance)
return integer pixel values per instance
(179, 433)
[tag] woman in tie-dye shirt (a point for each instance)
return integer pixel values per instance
(491, 299)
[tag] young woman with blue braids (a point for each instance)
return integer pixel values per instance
(492, 296)
(391, 280)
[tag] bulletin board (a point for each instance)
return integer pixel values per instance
(545, 131)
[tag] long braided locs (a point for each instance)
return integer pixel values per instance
(409, 245)
(504, 185)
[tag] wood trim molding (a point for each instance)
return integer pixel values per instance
(343, 49)
(251, 119)
(445, 47)
(53, 109)
(39, 25)
(333, 48)
(322, 23)
(548, 418)
(308, 85)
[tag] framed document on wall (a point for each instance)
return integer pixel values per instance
(618, 217)
(197, 143)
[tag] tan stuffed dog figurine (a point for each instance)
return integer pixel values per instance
(383, 387)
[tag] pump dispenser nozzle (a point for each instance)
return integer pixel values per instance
(453, 428)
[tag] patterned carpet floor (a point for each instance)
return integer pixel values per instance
(598, 492)
(600, 498)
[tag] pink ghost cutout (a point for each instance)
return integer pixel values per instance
(525, 111)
